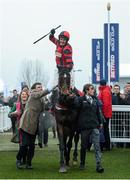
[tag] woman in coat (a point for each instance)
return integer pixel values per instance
(29, 123)
(16, 112)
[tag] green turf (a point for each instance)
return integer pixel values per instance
(46, 164)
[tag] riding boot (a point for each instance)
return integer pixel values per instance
(68, 81)
(60, 81)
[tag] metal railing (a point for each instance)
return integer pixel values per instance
(120, 124)
(5, 122)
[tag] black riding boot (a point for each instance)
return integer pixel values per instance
(68, 81)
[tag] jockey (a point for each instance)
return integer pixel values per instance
(63, 55)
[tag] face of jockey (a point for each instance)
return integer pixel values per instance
(62, 41)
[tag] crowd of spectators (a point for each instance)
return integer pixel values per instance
(118, 97)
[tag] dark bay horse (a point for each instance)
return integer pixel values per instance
(66, 116)
(66, 119)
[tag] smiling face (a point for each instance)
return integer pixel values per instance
(62, 41)
(24, 96)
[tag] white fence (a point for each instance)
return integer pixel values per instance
(120, 124)
(5, 122)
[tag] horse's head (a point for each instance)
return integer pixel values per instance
(66, 97)
(64, 82)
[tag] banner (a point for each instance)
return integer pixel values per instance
(97, 60)
(114, 52)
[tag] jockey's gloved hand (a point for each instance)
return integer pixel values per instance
(52, 32)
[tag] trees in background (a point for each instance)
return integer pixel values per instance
(33, 71)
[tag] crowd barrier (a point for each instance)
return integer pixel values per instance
(120, 124)
(5, 122)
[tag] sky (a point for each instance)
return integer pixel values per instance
(24, 21)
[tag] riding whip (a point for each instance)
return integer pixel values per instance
(45, 35)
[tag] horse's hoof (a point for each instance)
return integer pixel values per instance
(75, 162)
(62, 169)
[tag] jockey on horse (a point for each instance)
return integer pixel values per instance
(63, 57)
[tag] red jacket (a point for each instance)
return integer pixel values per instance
(63, 54)
(106, 99)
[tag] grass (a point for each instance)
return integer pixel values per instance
(46, 163)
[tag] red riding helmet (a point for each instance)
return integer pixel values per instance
(64, 34)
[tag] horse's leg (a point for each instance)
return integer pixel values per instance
(69, 146)
(75, 154)
(65, 148)
(61, 80)
(61, 148)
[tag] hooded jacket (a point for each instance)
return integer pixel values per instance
(105, 97)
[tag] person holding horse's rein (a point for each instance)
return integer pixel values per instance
(90, 121)
(63, 55)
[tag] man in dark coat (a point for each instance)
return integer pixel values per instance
(118, 100)
(127, 94)
(116, 96)
(90, 121)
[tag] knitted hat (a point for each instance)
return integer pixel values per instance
(103, 82)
